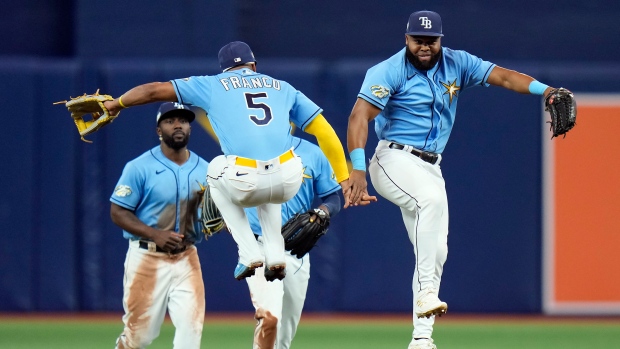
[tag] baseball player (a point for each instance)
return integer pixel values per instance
(412, 97)
(250, 114)
(156, 204)
(279, 304)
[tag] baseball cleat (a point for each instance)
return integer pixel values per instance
(243, 271)
(428, 304)
(422, 343)
(276, 271)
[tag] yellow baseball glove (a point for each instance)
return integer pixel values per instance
(89, 105)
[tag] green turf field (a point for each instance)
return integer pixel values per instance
(330, 334)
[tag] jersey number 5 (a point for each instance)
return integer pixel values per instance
(249, 100)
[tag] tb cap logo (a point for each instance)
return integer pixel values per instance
(425, 22)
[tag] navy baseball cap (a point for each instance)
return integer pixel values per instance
(170, 109)
(424, 23)
(234, 54)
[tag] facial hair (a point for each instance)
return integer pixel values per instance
(176, 145)
(419, 65)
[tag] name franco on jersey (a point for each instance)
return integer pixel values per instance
(257, 82)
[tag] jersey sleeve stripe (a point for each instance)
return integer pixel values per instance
(486, 75)
(371, 101)
(122, 204)
(317, 112)
(176, 88)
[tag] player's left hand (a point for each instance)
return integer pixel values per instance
(562, 107)
(303, 230)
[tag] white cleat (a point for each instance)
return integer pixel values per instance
(423, 343)
(428, 304)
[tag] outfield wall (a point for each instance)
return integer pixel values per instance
(61, 252)
(325, 29)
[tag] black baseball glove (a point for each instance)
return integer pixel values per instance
(303, 230)
(561, 105)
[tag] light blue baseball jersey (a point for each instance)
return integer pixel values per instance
(418, 107)
(318, 180)
(250, 112)
(162, 194)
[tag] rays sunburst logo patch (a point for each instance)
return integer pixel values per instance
(451, 89)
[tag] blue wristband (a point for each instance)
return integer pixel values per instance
(358, 159)
(537, 88)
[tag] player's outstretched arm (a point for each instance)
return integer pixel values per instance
(357, 136)
(514, 81)
(560, 103)
(143, 94)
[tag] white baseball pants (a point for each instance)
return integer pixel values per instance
(418, 188)
(238, 182)
(279, 304)
(155, 282)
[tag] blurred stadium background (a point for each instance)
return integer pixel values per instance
(532, 230)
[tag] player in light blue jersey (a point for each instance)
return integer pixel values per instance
(251, 114)
(156, 204)
(278, 305)
(413, 97)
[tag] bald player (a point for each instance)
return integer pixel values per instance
(412, 97)
(251, 114)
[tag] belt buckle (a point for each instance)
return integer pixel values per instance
(430, 158)
(151, 246)
(424, 156)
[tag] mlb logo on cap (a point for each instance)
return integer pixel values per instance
(424, 23)
(234, 54)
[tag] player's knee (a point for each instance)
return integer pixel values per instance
(433, 201)
(426, 203)
(270, 324)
